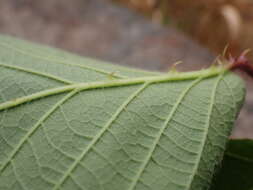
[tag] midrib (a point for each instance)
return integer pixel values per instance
(213, 71)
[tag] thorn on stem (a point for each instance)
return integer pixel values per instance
(112, 75)
(173, 68)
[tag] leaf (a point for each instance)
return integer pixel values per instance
(68, 122)
(237, 167)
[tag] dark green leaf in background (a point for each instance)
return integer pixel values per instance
(74, 123)
(236, 171)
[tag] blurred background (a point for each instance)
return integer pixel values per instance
(213, 23)
(149, 34)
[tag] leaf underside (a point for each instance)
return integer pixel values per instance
(74, 123)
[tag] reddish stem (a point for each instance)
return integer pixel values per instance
(241, 63)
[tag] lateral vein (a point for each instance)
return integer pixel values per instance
(195, 169)
(154, 145)
(60, 61)
(36, 73)
(99, 135)
(34, 128)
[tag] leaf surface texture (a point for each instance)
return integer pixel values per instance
(68, 122)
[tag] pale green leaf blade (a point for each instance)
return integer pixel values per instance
(71, 123)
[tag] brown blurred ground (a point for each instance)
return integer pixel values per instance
(214, 23)
(98, 29)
